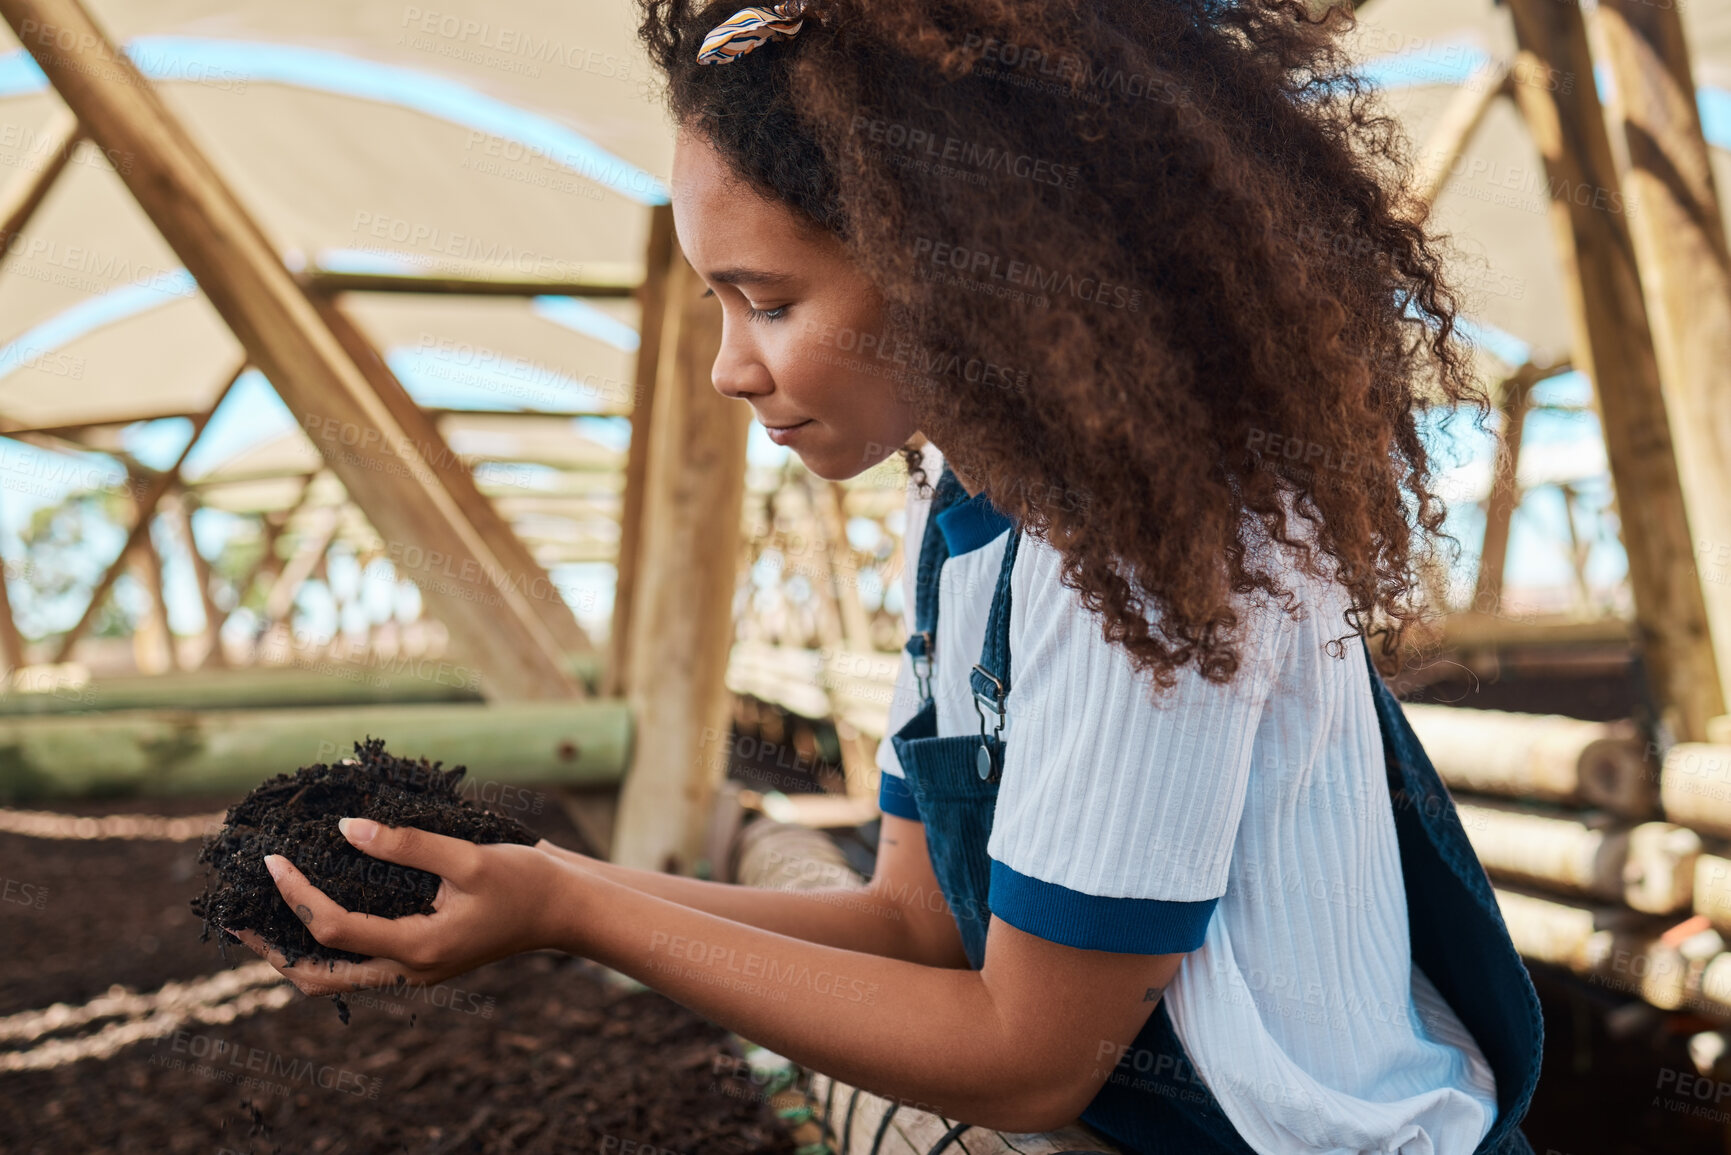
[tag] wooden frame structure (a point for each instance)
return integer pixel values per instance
(685, 468)
(685, 474)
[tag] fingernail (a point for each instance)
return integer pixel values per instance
(277, 865)
(358, 830)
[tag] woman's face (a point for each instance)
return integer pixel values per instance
(791, 302)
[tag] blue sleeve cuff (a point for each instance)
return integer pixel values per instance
(895, 798)
(1096, 922)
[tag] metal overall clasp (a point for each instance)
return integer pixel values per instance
(921, 657)
(986, 760)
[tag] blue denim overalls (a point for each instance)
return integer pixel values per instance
(1458, 936)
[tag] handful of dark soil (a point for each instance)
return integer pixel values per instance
(296, 816)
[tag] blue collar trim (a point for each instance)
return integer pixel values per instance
(969, 524)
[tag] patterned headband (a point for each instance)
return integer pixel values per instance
(748, 28)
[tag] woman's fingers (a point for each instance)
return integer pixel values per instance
(452, 858)
(562, 854)
(329, 977)
(343, 929)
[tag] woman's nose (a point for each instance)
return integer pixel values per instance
(737, 375)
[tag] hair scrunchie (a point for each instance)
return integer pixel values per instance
(748, 28)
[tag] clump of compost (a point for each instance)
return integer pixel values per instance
(296, 816)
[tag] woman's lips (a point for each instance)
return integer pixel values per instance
(786, 433)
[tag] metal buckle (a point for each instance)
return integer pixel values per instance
(986, 760)
(922, 664)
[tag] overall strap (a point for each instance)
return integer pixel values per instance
(990, 678)
(934, 551)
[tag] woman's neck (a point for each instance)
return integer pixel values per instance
(973, 490)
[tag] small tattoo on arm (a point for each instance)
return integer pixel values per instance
(1152, 995)
(305, 913)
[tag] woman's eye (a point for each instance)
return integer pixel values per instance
(774, 314)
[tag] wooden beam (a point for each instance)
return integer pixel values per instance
(280, 601)
(11, 641)
(325, 281)
(551, 611)
(19, 204)
(185, 505)
(464, 584)
(145, 502)
(652, 299)
(1455, 130)
(1648, 866)
(272, 530)
(1505, 493)
(225, 752)
(152, 640)
(1615, 348)
(682, 625)
(1541, 756)
(20, 430)
(1679, 238)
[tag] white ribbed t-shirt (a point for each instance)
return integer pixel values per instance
(1302, 1010)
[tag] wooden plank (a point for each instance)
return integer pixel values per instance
(152, 640)
(1505, 494)
(1648, 867)
(326, 281)
(1695, 786)
(321, 528)
(367, 678)
(543, 597)
(273, 526)
(1454, 131)
(145, 502)
(1614, 346)
(682, 623)
(1712, 890)
(226, 751)
(1679, 236)
(1616, 948)
(19, 203)
(11, 641)
(1540, 756)
(652, 300)
(184, 506)
(242, 276)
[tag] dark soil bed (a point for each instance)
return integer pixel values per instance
(534, 1054)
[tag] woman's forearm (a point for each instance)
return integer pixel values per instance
(852, 918)
(928, 1036)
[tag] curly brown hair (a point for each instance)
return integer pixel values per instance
(1182, 223)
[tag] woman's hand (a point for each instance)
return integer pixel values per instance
(493, 901)
(571, 857)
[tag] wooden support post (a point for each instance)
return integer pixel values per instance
(551, 610)
(1455, 130)
(18, 205)
(185, 505)
(146, 500)
(1679, 237)
(827, 498)
(308, 551)
(11, 641)
(1505, 493)
(682, 624)
(465, 585)
(1556, 94)
(652, 299)
(271, 531)
(153, 640)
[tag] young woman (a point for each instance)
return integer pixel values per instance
(1158, 848)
